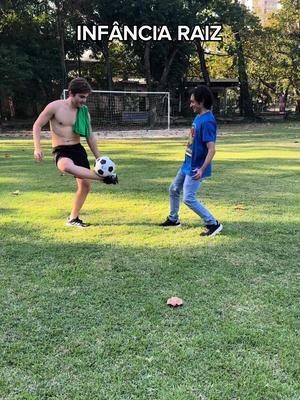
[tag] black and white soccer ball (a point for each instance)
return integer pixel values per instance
(104, 166)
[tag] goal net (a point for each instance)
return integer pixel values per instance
(127, 110)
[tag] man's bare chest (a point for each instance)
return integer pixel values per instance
(65, 118)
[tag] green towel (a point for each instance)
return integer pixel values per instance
(82, 124)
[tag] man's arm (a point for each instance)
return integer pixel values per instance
(92, 142)
(211, 146)
(42, 120)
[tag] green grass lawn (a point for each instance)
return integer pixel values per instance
(83, 312)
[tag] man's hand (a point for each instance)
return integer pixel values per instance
(38, 155)
(198, 173)
(111, 180)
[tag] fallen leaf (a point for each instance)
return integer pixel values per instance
(174, 301)
(240, 207)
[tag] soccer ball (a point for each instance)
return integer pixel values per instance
(104, 166)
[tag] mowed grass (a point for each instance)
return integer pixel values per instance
(83, 312)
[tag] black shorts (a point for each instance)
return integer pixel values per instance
(75, 152)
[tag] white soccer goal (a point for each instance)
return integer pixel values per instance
(123, 110)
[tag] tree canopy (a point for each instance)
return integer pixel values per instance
(39, 51)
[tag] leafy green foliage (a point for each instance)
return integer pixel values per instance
(34, 46)
(274, 53)
(29, 50)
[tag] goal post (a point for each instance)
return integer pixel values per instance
(126, 110)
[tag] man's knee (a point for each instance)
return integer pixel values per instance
(174, 190)
(85, 185)
(64, 166)
(188, 199)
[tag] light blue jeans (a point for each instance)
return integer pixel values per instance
(190, 188)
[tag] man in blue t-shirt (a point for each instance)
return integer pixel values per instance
(197, 164)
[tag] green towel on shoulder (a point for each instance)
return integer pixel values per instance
(82, 124)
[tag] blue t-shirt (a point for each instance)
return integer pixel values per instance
(204, 129)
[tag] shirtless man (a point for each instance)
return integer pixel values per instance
(69, 155)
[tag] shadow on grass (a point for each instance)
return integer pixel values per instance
(8, 211)
(136, 175)
(96, 313)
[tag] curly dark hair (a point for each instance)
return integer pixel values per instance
(79, 85)
(203, 94)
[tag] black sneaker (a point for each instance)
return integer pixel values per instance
(111, 179)
(77, 222)
(212, 230)
(168, 223)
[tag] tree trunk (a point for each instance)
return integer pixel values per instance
(164, 77)
(268, 85)
(203, 66)
(148, 76)
(147, 66)
(60, 34)
(106, 54)
(104, 49)
(297, 110)
(78, 59)
(246, 106)
(162, 85)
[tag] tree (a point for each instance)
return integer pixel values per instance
(159, 61)
(243, 24)
(274, 56)
(95, 12)
(31, 67)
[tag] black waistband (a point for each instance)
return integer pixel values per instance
(67, 146)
